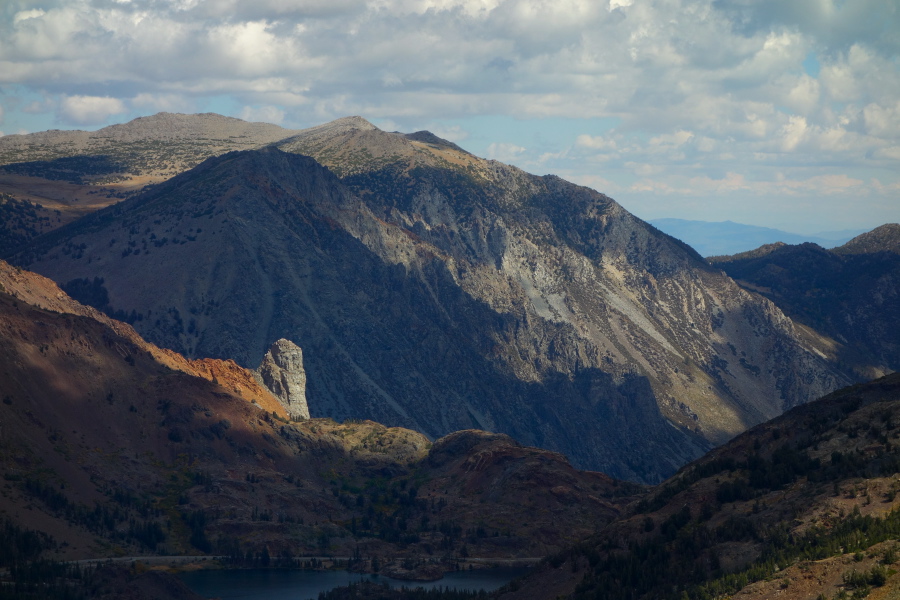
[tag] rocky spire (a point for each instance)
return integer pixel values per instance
(282, 373)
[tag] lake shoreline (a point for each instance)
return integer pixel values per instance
(300, 584)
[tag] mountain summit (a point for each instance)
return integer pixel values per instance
(885, 238)
(437, 290)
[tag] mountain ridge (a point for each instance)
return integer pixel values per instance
(573, 297)
(728, 238)
(73, 173)
(885, 238)
(106, 448)
(848, 293)
(159, 195)
(804, 506)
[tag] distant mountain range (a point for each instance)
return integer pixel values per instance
(849, 294)
(726, 237)
(435, 290)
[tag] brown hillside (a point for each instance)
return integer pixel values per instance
(113, 447)
(787, 510)
(44, 293)
(74, 173)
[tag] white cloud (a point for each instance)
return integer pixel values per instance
(793, 133)
(453, 133)
(505, 152)
(804, 96)
(832, 184)
(669, 141)
(598, 142)
(266, 114)
(162, 102)
(644, 169)
(89, 110)
(883, 121)
(891, 154)
(28, 14)
(839, 78)
(685, 89)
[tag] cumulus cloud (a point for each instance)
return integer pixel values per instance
(266, 114)
(89, 110)
(687, 89)
(28, 14)
(505, 152)
(598, 142)
(833, 22)
(453, 133)
(162, 102)
(882, 121)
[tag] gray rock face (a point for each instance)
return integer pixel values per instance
(282, 373)
(439, 291)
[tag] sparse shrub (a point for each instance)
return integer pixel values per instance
(878, 576)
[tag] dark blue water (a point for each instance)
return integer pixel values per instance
(276, 584)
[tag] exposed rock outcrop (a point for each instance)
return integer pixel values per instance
(86, 407)
(282, 373)
(438, 291)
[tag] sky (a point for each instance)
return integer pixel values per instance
(777, 113)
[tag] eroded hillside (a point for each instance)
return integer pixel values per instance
(439, 291)
(110, 446)
(803, 507)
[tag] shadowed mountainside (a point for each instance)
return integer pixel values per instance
(803, 505)
(849, 293)
(435, 290)
(110, 446)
